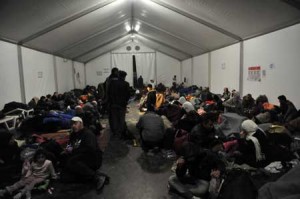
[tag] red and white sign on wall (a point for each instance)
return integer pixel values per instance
(254, 73)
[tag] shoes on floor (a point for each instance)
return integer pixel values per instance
(28, 195)
(169, 154)
(18, 196)
(101, 180)
(2, 192)
(195, 197)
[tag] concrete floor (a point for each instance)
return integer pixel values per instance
(133, 174)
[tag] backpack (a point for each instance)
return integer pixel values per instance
(238, 184)
(181, 137)
(2, 115)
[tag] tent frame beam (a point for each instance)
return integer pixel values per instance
(197, 19)
(90, 37)
(100, 46)
(118, 46)
(164, 44)
(65, 21)
(172, 35)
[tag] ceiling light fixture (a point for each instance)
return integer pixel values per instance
(127, 27)
(137, 27)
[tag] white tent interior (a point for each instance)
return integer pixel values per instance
(59, 45)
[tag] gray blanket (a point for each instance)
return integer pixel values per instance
(286, 187)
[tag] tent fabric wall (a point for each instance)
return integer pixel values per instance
(79, 75)
(98, 70)
(186, 72)
(134, 47)
(64, 75)
(278, 55)
(146, 62)
(200, 70)
(123, 62)
(38, 70)
(9, 76)
(145, 66)
(225, 68)
(166, 68)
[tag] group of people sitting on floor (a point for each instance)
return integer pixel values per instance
(77, 159)
(179, 119)
(203, 154)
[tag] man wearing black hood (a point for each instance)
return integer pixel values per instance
(9, 155)
(118, 96)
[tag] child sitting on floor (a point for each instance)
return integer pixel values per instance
(32, 173)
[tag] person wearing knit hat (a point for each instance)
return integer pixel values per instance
(181, 100)
(234, 104)
(188, 106)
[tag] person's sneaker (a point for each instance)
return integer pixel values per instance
(100, 182)
(28, 195)
(195, 197)
(171, 189)
(156, 150)
(18, 196)
(2, 192)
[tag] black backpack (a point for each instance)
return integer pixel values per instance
(2, 115)
(238, 184)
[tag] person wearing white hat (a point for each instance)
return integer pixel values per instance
(83, 157)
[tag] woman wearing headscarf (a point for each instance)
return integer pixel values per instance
(253, 145)
(258, 149)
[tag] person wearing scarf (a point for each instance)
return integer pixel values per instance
(252, 145)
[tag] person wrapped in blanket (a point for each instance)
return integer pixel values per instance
(33, 173)
(196, 168)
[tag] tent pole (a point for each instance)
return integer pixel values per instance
(21, 74)
(209, 70)
(55, 73)
(241, 79)
(155, 68)
(192, 72)
(85, 80)
(74, 73)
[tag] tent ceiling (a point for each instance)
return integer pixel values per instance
(81, 30)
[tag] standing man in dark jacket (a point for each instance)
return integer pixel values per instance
(118, 96)
(113, 76)
(151, 98)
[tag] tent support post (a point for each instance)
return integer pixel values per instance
(209, 70)
(241, 79)
(21, 74)
(55, 73)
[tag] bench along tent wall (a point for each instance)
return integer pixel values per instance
(59, 45)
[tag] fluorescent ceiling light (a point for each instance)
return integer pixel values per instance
(127, 27)
(137, 27)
